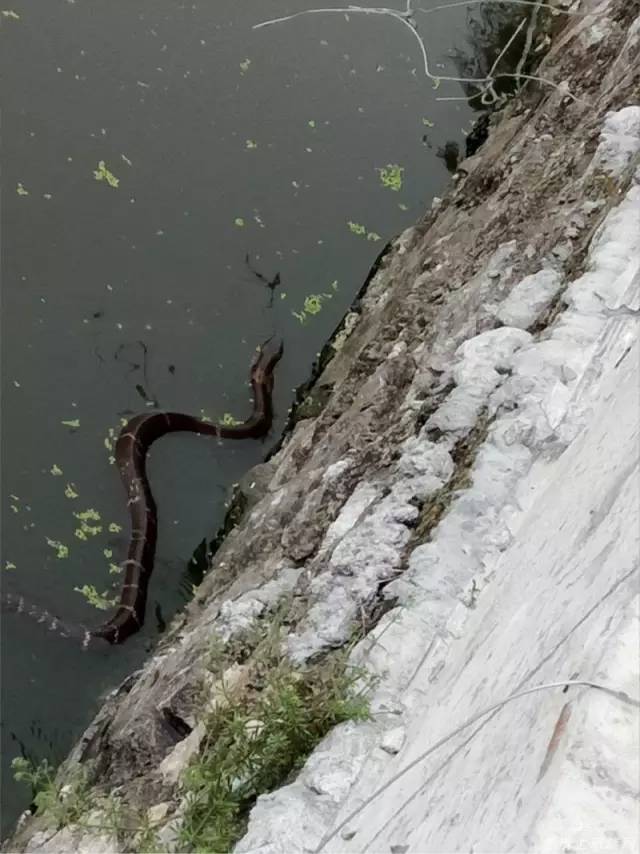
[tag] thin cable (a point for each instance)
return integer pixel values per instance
(619, 695)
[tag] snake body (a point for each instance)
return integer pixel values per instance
(132, 447)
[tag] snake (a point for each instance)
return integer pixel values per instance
(132, 447)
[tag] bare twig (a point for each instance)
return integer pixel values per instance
(504, 50)
(405, 18)
(487, 92)
(533, 20)
(458, 3)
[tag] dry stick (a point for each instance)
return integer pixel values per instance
(506, 47)
(619, 695)
(437, 77)
(489, 94)
(507, 2)
(537, 4)
(391, 13)
(533, 20)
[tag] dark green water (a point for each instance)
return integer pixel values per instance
(225, 142)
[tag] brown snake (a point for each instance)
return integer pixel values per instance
(132, 447)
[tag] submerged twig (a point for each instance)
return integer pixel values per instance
(272, 284)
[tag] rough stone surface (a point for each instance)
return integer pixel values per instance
(530, 297)
(471, 477)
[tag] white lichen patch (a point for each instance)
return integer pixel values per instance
(529, 298)
(619, 141)
(239, 615)
(481, 364)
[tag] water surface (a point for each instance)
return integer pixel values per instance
(224, 142)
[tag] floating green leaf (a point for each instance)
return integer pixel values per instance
(62, 551)
(251, 143)
(361, 231)
(391, 176)
(56, 470)
(86, 530)
(70, 491)
(9, 565)
(313, 305)
(239, 222)
(20, 190)
(98, 600)
(103, 174)
(114, 528)
(9, 13)
(89, 514)
(74, 423)
(228, 420)
(427, 123)
(356, 228)
(244, 65)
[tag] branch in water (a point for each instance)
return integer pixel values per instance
(406, 18)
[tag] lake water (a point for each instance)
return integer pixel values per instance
(225, 142)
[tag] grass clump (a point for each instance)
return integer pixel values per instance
(64, 803)
(258, 742)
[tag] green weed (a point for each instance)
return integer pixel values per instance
(255, 743)
(66, 804)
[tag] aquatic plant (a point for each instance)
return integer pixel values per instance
(103, 174)
(98, 600)
(486, 84)
(391, 176)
